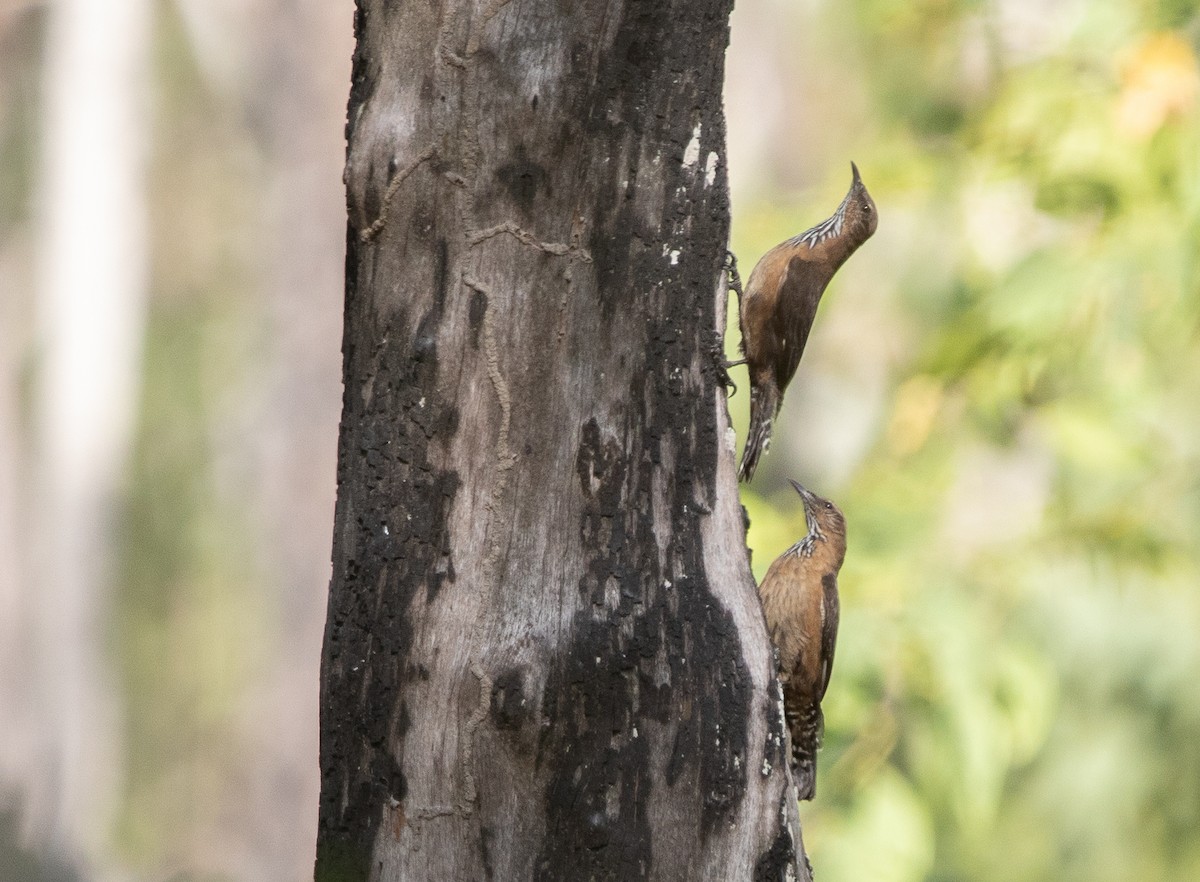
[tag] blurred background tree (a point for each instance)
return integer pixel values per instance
(219, 523)
(1001, 392)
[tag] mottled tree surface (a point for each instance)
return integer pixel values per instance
(544, 657)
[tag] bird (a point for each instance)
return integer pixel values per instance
(780, 303)
(799, 596)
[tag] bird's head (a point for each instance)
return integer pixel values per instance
(825, 521)
(859, 215)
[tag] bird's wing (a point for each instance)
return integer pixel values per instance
(830, 613)
(799, 294)
(758, 306)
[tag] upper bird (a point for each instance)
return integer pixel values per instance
(780, 304)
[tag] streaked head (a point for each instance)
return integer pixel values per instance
(824, 519)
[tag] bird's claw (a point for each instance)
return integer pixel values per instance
(720, 366)
(735, 280)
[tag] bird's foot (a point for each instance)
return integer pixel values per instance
(716, 352)
(735, 280)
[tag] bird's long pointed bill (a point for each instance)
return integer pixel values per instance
(809, 501)
(856, 184)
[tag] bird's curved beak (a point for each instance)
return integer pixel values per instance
(804, 492)
(810, 506)
(857, 178)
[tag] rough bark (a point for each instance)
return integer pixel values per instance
(544, 657)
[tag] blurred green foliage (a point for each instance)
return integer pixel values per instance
(1017, 687)
(191, 626)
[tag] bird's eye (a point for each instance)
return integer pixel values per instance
(829, 505)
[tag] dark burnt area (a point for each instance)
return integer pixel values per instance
(523, 179)
(441, 277)
(511, 710)
(774, 864)
(776, 749)
(476, 311)
(486, 837)
(632, 75)
(600, 765)
(392, 512)
(649, 90)
(362, 79)
(605, 766)
(630, 619)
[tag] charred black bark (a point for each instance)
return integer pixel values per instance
(544, 656)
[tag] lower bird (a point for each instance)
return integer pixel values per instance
(780, 304)
(799, 598)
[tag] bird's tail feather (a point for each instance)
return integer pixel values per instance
(764, 402)
(807, 728)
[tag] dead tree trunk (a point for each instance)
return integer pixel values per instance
(544, 657)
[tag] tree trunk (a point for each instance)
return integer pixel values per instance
(544, 656)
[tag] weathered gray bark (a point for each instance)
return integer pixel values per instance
(544, 657)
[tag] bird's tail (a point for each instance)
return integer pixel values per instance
(807, 727)
(764, 402)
